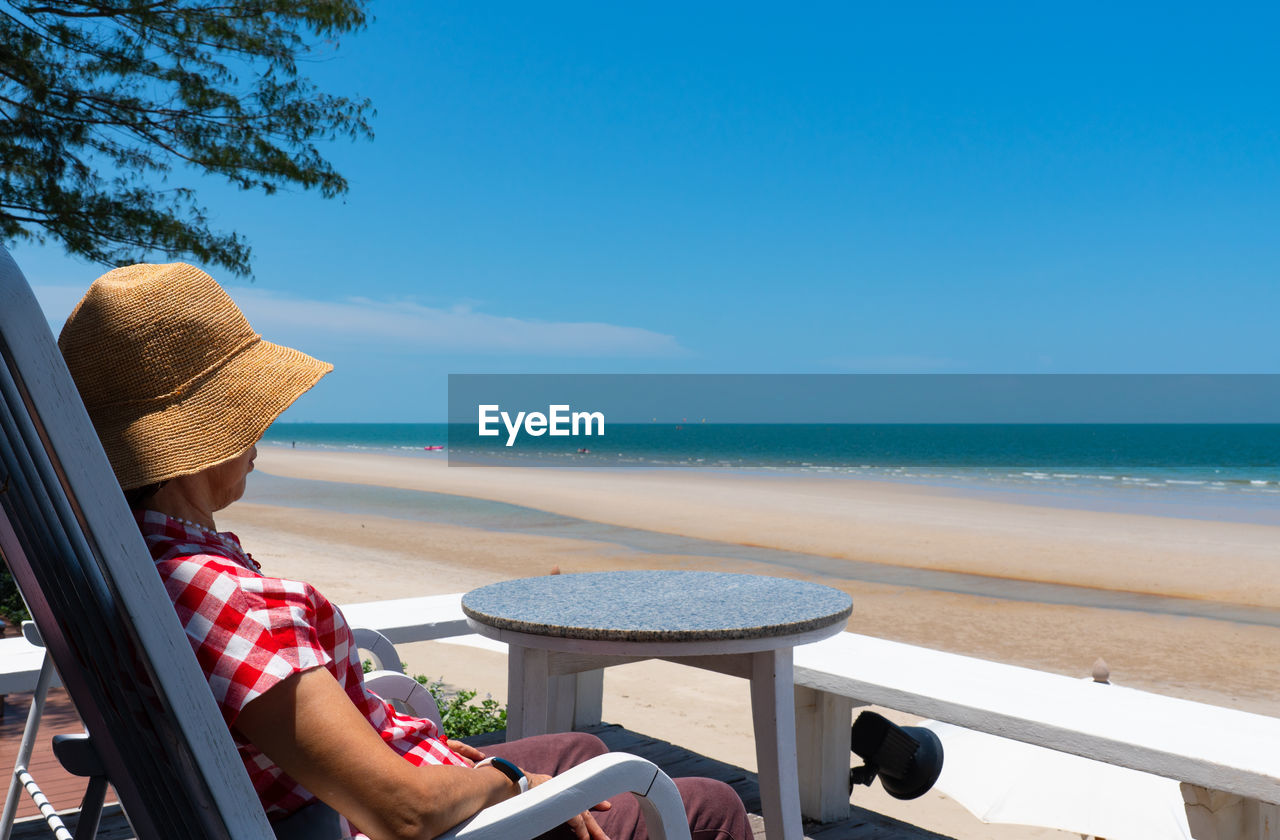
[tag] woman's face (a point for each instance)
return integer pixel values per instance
(226, 480)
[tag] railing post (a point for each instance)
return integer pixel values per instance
(1217, 815)
(822, 752)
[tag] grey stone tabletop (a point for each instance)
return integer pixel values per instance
(657, 606)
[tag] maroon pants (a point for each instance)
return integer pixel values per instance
(715, 812)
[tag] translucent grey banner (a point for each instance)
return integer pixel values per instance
(1183, 428)
(867, 421)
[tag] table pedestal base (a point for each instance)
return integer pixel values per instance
(548, 691)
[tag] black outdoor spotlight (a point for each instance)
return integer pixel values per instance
(907, 759)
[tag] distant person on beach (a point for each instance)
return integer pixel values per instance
(180, 389)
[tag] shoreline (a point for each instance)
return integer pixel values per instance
(1155, 491)
(439, 508)
(885, 523)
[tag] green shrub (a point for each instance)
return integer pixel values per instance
(462, 716)
(459, 713)
(12, 608)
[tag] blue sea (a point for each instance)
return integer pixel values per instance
(1217, 471)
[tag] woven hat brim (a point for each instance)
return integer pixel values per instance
(221, 417)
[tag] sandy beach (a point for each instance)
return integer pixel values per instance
(1208, 569)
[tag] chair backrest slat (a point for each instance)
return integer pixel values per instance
(86, 575)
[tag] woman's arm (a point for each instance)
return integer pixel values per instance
(340, 758)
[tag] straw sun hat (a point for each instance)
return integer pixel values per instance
(174, 378)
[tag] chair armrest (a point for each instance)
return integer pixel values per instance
(32, 633)
(385, 656)
(575, 791)
(397, 687)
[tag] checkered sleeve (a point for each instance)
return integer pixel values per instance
(249, 633)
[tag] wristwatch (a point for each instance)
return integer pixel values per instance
(508, 769)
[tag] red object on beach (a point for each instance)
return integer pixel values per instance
(432, 448)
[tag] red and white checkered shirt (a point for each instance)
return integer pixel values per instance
(250, 632)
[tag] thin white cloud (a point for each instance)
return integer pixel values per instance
(459, 329)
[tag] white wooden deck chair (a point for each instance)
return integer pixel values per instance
(111, 631)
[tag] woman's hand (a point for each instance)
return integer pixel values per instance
(470, 753)
(584, 826)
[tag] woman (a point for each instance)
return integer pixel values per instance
(180, 389)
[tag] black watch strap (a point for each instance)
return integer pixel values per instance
(508, 769)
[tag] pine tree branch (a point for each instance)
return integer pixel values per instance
(94, 95)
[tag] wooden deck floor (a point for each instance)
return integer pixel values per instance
(64, 791)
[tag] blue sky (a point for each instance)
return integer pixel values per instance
(751, 188)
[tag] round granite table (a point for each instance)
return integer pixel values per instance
(562, 631)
